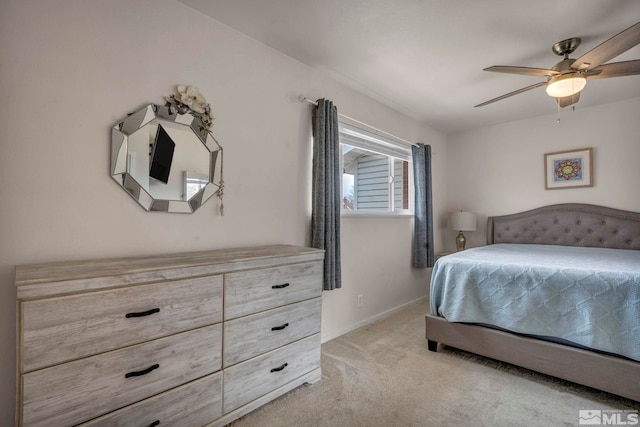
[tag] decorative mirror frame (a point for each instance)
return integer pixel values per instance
(196, 122)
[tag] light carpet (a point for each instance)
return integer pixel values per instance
(383, 375)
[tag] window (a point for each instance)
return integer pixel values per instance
(194, 182)
(376, 174)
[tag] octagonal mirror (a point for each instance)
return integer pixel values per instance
(165, 160)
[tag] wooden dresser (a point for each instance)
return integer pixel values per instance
(194, 339)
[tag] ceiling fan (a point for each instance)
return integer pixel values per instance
(568, 77)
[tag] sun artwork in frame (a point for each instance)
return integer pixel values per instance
(568, 169)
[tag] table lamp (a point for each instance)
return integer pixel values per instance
(462, 221)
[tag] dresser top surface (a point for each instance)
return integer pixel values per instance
(74, 270)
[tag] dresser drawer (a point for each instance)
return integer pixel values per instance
(59, 329)
(195, 404)
(249, 380)
(250, 336)
(77, 391)
(252, 291)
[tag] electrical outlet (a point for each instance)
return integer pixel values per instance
(360, 302)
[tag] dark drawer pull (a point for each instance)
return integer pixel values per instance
(143, 313)
(279, 368)
(284, 285)
(279, 328)
(139, 373)
(155, 423)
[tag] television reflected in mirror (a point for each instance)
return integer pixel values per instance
(161, 156)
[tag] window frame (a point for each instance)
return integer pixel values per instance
(361, 139)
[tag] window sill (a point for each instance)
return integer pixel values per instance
(375, 215)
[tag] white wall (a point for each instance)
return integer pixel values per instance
(71, 69)
(500, 169)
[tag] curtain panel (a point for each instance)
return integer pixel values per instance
(325, 215)
(423, 253)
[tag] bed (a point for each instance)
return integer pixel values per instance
(556, 290)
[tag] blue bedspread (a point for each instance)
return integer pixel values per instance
(587, 296)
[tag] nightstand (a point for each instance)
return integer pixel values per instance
(441, 254)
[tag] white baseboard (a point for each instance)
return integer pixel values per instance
(365, 322)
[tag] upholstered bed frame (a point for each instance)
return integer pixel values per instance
(569, 225)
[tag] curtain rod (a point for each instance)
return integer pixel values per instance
(302, 98)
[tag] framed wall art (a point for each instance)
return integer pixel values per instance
(569, 169)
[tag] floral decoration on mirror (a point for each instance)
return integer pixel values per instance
(190, 100)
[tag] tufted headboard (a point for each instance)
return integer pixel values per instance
(570, 224)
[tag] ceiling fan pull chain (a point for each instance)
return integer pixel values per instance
(558, 119)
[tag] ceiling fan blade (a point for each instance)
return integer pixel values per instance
(565, 101)
(617, 69)
(609, 49)
(524, 89)
(527, 71)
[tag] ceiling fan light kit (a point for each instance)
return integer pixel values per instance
(566, 84)
(568, 77)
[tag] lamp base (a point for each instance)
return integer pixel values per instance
(460, 241)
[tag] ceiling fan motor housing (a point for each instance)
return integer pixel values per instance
(564, 66)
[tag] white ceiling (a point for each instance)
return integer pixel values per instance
(425, 57)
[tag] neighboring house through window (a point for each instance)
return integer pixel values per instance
(375, 177)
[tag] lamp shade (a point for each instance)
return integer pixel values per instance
(462, 221)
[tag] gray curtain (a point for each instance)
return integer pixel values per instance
(423, 254)
(325, 216)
